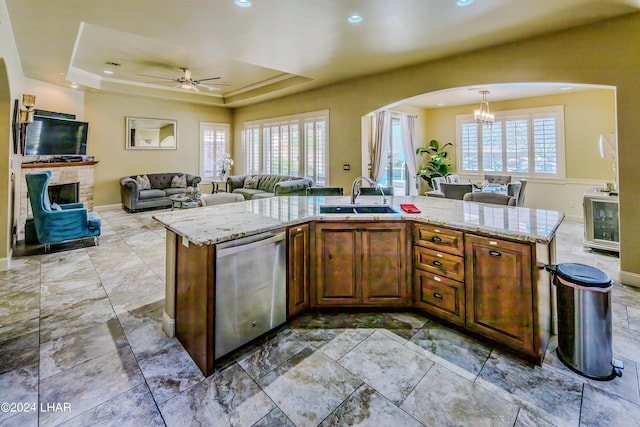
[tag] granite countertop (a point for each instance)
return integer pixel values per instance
(214, 224)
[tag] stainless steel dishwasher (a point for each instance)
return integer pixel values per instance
(250, 289)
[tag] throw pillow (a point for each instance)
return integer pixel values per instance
(55, 207)
(179, 181)
(143, 182)
(251, 182)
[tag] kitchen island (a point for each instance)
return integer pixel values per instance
(474, 265)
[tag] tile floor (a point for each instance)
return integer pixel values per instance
(81, 344)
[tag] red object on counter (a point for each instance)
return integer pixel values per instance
(409, 208)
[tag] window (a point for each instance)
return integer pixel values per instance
(521, 142)
(293, 145)
(214, 141)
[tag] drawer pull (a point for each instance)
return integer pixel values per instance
(437, 295)
(437, 263)
(495, 253)
(436, 239)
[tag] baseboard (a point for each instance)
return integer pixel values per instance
(5, 263)
(107, 207)
(631, 279)
(168, 325)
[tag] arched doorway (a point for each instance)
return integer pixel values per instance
(588, 111)
(6, 173)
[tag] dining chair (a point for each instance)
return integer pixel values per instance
(523, 184)
(514, 189)
(455, 191)
(493, 198)
(435, 182)
(324, 191)
(498, 179)
(453, 179)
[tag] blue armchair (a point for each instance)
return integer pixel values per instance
(59, 223)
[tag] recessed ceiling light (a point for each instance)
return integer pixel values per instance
(75, 85)
(110, 67)
(440, 104)
(354, 19)
(566, 88)
(463, 3)
(243, 3)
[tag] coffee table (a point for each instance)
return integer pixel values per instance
(182, 201)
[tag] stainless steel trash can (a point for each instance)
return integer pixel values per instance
(585, 336)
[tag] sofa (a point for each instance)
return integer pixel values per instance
(268, 186)
(135, 199)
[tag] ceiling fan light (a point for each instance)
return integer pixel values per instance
(186, 85)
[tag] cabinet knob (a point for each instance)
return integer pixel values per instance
(495, 253)
(437, 263)
(437, 295)
(436, 239)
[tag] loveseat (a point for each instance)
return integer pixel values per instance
(268, 185)
(134, 198)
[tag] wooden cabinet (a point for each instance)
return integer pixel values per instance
(360, 264)
(195, 301)
(499, 291)
(298, 269)
(439, 272)
(384, 264)
(440, 296)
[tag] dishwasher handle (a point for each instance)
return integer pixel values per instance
(248, 243)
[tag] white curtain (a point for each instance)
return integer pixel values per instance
(408, 129)
(381, 144)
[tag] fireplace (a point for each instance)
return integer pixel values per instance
(64, 193)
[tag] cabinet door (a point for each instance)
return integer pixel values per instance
(298, 270)
(499, 300)
(337, 265)
(384, 248)
(440, 296)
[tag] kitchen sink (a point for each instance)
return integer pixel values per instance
(351, 209)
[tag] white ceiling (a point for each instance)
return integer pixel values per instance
(274, 47)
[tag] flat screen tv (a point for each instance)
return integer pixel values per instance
(54, 136)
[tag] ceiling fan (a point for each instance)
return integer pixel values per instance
(187, 82)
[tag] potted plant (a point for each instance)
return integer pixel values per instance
(438, 164)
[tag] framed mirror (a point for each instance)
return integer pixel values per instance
(151, 134)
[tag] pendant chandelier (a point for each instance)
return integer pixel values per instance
(483, 115)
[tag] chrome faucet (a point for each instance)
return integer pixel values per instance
(355, 189)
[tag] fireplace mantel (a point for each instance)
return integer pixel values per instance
(40, 165)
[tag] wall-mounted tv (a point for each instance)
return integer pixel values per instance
(48, 136)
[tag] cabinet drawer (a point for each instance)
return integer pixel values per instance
(440, 263)
(439, 238)
(440, 296)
